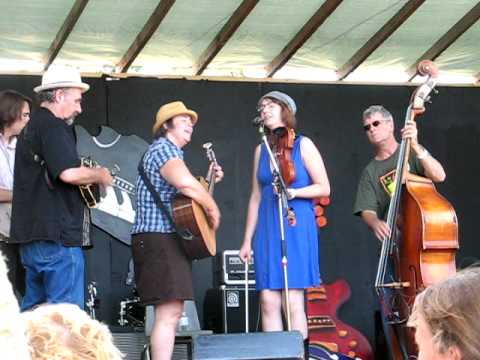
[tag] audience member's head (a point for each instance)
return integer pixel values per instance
(64, 331)
(446, 318)
(13, 344)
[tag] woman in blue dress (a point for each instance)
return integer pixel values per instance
(262, 230)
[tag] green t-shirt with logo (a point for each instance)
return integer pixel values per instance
(377, 184)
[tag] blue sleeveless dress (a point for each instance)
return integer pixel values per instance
(302, 239)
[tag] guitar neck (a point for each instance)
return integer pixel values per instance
(320, 322)
(124, 185)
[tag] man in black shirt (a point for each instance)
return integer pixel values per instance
(48, 215)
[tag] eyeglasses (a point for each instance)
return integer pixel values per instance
(266, 104)
(374, 124)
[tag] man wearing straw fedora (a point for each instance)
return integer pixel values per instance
(48, 217)
(163, 272)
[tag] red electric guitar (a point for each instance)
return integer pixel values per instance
(325, 329)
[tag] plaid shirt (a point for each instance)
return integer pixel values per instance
(149, 217)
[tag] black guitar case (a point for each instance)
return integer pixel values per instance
(115, 212)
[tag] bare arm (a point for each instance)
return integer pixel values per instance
(84, 175)
(5, 196)
(252, 212)
(176, 173)
(433, 169)
(378, 226)
(316, 169)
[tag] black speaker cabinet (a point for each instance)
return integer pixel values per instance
(224, 309)
(260, 345)
(129, 341)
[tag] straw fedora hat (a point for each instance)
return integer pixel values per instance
(61, 77)
(171, 110)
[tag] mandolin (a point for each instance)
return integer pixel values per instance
(325, 329)
(190, 216)
(94, 195)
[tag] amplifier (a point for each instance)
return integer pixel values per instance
(232, 270)
(224, 309)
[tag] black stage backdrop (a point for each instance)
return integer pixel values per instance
(331, 116)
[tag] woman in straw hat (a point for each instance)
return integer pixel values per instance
(163, 273)
(262, 230)
(446, 318)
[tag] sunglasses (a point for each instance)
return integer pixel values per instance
(374, 124)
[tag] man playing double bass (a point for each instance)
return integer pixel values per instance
(378, 178)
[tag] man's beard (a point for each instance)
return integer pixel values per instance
(70, 120)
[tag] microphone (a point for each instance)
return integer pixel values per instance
(257, 121)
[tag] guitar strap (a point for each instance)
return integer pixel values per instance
(184, 233)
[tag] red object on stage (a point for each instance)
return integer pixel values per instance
(325, 329)
(319, 207)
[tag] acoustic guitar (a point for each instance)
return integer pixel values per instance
(191, 217)
(326, 330)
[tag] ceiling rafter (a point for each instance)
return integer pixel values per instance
(145, 34)
(447, 39)
(239, 15)
(379, 38)
(327, 8)
(64, 32)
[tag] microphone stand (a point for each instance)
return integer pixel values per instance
(283, 196)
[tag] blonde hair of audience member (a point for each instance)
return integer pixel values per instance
(446, 317)
(13, 344)
(64, 331)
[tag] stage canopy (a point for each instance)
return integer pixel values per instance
(307, 40)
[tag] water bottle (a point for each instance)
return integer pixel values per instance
(183, 323)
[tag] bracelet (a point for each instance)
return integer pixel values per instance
(423, 155)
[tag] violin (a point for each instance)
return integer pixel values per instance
(284, 140)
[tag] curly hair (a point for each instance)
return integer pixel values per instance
(13, 344)
(64, 331)
(451, 310)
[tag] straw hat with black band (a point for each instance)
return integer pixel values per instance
(169, 111)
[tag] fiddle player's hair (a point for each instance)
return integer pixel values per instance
(11, 106)
(64, 331)
(451, 310)
(387, 115)
(287, 116)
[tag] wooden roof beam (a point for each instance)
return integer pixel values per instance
(447, 39)
(224, 35)
(379, 38)
(144, 35)
(64, 32)
(302, 36)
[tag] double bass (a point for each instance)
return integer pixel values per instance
(420, 250)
